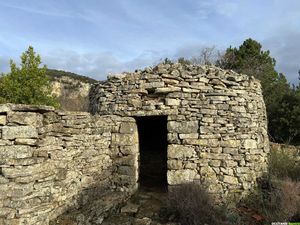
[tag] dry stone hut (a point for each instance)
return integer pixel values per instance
(194, 123)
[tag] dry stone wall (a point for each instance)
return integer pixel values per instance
(217, 125)
(53, 162)
(291, 150)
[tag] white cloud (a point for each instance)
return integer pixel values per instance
(97, 65)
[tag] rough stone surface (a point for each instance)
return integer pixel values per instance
(2, 120)
(13, 132)
(54, 162)
(73, 166)
(217, 126)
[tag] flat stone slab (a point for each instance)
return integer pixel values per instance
(130, 208)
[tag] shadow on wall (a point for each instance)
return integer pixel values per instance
(92, 205)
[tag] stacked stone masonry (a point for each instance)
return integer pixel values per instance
(52, 162)
(217, 125)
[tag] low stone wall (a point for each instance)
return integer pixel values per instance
(52, 161)
(294, 151)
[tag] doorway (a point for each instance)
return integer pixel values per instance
(153, 152)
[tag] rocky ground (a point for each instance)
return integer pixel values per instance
(146, 207)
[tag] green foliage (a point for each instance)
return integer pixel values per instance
(184, 61)
(250, 59)
(167, 61)
(27, 84)
(283, 165)
(284, 118)
(282, 102)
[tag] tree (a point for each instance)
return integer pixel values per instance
(284, 121)
(250, 59)
(27, 84)
(207, 56)
(183, 61)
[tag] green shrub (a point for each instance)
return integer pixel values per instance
(282, 164)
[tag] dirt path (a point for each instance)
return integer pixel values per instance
(146, 207)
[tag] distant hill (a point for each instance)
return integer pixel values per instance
(52, 73)
(72, 90)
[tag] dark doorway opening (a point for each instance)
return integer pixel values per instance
(153, 151)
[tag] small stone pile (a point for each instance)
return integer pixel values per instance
(217, 125)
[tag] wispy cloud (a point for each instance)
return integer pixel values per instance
(42, 8)
(107, 36)
(97, 65)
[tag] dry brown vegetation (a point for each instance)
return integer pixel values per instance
(193, 205)
(276, 198)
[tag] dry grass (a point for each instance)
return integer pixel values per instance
(275, 200)
(282, 164)
(194, 206)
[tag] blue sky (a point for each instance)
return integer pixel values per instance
(94, 38)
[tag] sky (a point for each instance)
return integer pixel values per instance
(97, 37)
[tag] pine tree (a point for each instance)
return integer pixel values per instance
(27, 84)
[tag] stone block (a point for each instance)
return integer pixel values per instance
(189, 136)
(207, 119)
(243, 170)
(164, 90)
(173, 138)
(240, 109)
(124, 139)
(14, 132)
(128, 128)
(7, 212)
(3, 180)
(181, 152)
(214, 163)
(174, 164)
(181, 176)
(4, 108)
(230, 180)
(25, 141)
(152, 85)
(130, 208)
(219, 98)
(2, 120)
(184, 127)
(129, 150)
(37, 171)
(230, 143)
(250, 144)
(25, 118)
(208, 173)
(143, 221)
(208, 111)
(229, 163)
(232, 151)
(15, 152)
(172, 101)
